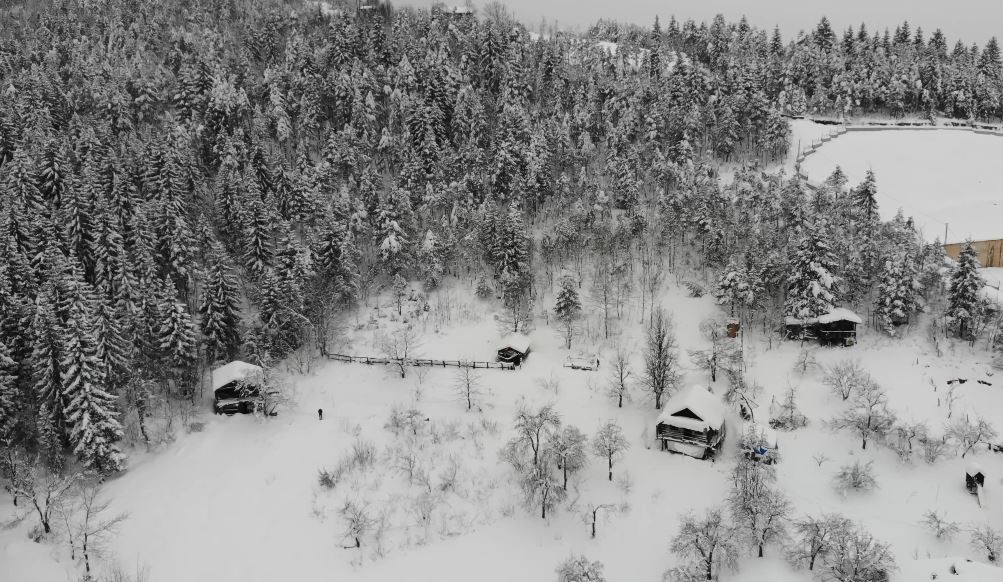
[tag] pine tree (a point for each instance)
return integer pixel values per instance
(896, 294)
(90, 410)
(964, 305)
(177, 336)
(865, 197)
(113, 348)
(46, 354)
(9, 395)
(811, 281)
(568, 308)
(220, 308)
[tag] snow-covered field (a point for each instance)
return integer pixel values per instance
(938, 176)
(240, 501)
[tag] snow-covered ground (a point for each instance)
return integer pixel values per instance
(940, 177)
(240, 500)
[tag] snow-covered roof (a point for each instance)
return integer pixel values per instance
(461, 10)
(973, 468)
(233, 372)
(837, 314)
(840, 314)
(517, 342)
(699, 401)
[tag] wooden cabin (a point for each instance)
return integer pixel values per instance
(514, 349)
(692, 423)
(237, 388)
(836, 328)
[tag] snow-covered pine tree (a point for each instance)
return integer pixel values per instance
(177, 336)
(46, 354)
(94, 429)
(220, 310)
(394, 239)
(9, 396)
(896, 299)
(568, 307)
(429, 261)
(964, 305)
(256, 229)
(865, 199)
(811, 282)
(738, 288)
(112, 347)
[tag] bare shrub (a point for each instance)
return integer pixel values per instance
(988, 540)
(857, 477)
(940, 526)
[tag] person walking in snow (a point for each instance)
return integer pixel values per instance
(320, 414)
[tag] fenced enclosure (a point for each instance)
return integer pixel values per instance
(421, 362)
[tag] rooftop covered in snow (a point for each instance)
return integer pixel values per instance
(695, 401)
(515, 341)
(837, 314)
(233, 372)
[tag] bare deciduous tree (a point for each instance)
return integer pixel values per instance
(724, 353)
(806, 361)
(568, 447)
(591, 514)
(846, 378)
(856, 555)
(358, 522)
(534, 427)
(14, 464)
(869, 416)
(93, 526)
(661, 360)
(45, 489)
(762, 509)
(401, 347)
(619, 381)
(610, 444)
(540, 483)
(709, 541)
(814, 537)
(968, 433)
(467, 383)
(580, 569)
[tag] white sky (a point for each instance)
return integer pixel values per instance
(972, 20)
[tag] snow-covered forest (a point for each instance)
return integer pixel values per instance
(188, 183)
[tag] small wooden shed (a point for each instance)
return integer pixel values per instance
(514, 349)
(836, 328)
(974, 478)
(692, 423)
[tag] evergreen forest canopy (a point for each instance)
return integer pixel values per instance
(186, 182)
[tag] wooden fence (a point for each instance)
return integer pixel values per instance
(419, 362)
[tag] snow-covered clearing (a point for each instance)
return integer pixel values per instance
(240, 501)
(912, 172)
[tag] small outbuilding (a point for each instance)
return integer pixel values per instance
(692, 423)
(974, 478)
(237, 388)
(836, 328)
(514, 349)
